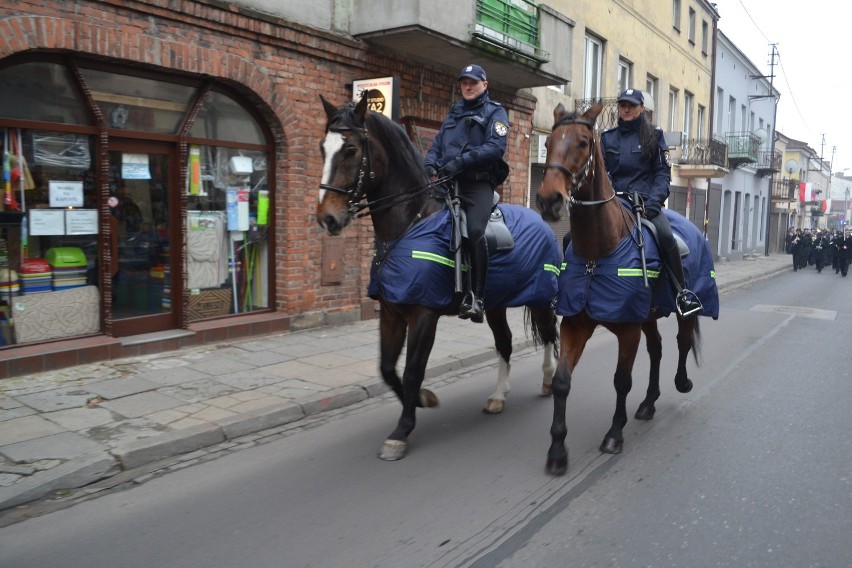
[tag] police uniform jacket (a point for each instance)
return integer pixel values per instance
(476, 131)
(628, 172)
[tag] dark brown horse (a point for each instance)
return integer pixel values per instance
(371, 165)
(576, 179)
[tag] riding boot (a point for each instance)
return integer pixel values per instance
(472, 306)
(686, 302)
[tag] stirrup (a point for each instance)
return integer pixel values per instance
(688, 304)
(471, 308)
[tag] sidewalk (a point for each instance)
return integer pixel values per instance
(69, 428)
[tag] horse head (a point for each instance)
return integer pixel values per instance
(347, 164)
(572, 149)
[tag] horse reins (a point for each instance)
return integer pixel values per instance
(578, 178)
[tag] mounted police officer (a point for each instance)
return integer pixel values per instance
(637, 160)
(470, 145)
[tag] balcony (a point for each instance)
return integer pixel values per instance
(511, 39)
(743, 148)
(702, 158)
(768, 163)
(785, 190)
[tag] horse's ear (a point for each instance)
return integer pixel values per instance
(360, 112)
(330, 109)
(558, 113)
(593, 112)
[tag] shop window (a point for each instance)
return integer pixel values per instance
(40, 91)
(227, 231)
(49, 257)
(136, 103)
(222, 118)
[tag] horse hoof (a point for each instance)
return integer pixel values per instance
(645, 412)
(393, 450)
(494, 406)
(546, 390)
(612, 446)
(557, 465)
(428, 399)
(684, 386)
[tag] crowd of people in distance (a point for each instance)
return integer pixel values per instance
(820, 248)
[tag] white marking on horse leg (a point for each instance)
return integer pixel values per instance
(497, 401)
(331, 146)
(548, 367)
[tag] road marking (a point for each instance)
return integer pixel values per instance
(797, 311)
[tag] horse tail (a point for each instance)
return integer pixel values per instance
(541, 324)
(696, 341)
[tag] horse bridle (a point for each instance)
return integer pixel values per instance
(578, 178)
(357, 194)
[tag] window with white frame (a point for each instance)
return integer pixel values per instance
(690, 30)
(557, 88)
(673, 110)
(720, 111)
(593, 68)
(732, 115)
(676, 14)
(625, 74)
(652, 88)
(700, 132)
(688, 99)
(705, 36)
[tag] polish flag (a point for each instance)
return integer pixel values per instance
(805, 192)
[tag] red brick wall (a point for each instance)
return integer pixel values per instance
(281, 67)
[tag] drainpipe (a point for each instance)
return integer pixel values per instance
(711, 119)
(771, 154)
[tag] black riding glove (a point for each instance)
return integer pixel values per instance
(431, 172)
(651, 211)
(453, 167)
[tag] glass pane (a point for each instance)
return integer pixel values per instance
(139, 206)
(134, 103)
(40, 91)
(49, 255)
(222, 118)
(228, 218)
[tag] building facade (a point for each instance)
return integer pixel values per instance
(163, 161)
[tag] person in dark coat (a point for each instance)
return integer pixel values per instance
(637, 160)
(470, 145)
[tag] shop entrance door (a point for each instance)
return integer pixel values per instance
(143, 202)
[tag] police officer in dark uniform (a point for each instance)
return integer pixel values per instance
(470, 145)
(637, 160)
(844, 253)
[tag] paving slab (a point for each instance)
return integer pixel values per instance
(117, 388)
(26, 428)
(141, 404)
(62, 446)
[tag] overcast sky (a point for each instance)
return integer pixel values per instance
(813, 77)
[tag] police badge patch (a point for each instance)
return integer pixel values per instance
(500, 129)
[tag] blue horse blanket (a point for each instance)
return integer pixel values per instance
(419, 267)
(612, 289)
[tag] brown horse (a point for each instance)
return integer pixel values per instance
(370, 165)
(576, 179)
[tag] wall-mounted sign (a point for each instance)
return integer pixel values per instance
(65, 193)
(135, 166)
(382, 95)
(47, 222)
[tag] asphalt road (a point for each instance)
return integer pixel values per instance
(752, 468)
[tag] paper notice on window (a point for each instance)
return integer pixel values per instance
(47, 222)
(65, 193)
(81, 222)
(135, 166)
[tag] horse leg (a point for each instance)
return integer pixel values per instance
(496, 318)
(392, 331)
(572, 339)
(422, 323)
(686, 338)
(654, 344)
(629, 336)
(543, 323)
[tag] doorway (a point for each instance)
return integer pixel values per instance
(144, 203)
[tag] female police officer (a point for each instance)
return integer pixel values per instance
(470, 145)
(637, 160)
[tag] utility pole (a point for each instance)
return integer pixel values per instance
(766, 237)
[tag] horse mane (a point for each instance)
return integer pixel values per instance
(401, 151)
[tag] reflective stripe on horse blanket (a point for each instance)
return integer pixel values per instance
(613, 290)
(419, 267)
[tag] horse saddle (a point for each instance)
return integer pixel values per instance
(682, 247)
(497, 234)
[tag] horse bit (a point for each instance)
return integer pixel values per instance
(578, 179)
